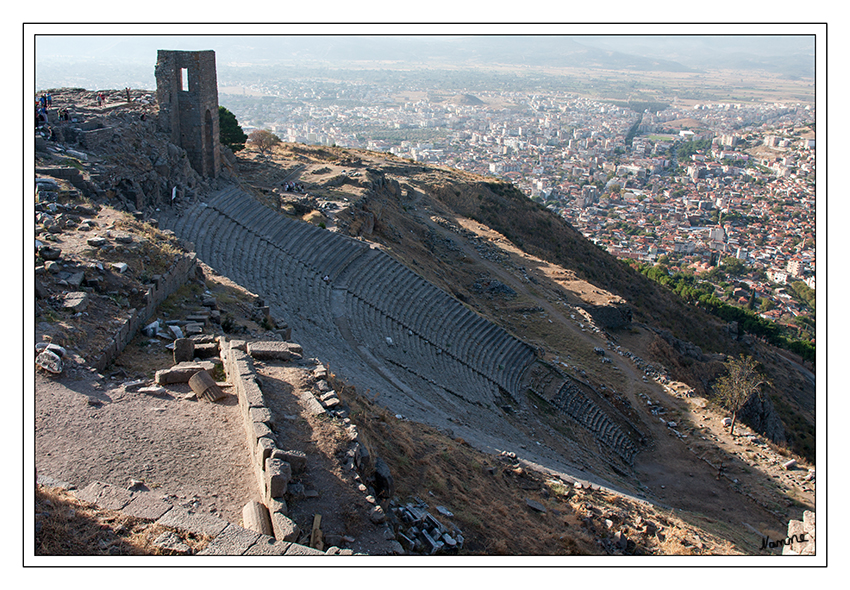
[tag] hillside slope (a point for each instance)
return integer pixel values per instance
(603, 332)
(417, 214)
(445, 223)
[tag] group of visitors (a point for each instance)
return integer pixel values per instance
(41, 113)
(293, 187)
(41, 104)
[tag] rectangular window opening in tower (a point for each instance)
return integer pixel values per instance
(184, 79)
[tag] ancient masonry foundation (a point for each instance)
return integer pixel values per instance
(163, 286)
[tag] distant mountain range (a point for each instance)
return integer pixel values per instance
(788, 55)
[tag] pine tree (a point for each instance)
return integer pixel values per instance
(229, 131)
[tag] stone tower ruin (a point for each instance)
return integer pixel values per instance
(187, 93)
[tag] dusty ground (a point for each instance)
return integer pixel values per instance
(94, 429)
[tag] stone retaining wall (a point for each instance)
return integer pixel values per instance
(72, 175)
(273, 466)
(164, 285)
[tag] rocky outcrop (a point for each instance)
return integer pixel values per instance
(761, 415)
(801, 536)
(612, 316)
(122, 155)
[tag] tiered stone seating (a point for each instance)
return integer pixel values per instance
(435, 336)
(570, 400)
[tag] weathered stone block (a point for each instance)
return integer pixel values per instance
(154, 390)
(377, 515)
(49, 361)
(274, 350)
(261, 414)
(267, 545)
(147, 506)
(206, 350)
(97, 241)
(184, 350)
(801, 536)
(296, 549)
(253, 394)
(284, 527)
(200, 524)
(105, 495)
(179, 373)
(261, 429)
(264, 449)
(278, 505)
(194, 328)
(76, 301)
(233, 540)
(238, 345)
(297, 459)
(278, 475)
(330, 401)
(311, 404)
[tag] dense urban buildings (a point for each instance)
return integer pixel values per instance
(725, 191)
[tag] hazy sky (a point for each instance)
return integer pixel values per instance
(109, 60)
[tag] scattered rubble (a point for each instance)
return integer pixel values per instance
(419, 531)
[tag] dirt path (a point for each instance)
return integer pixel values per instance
(674, 469)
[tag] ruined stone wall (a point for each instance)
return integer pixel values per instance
(187, 94)
(163, 286)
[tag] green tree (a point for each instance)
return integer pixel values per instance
(229, 132)
(733, 266)
(264, 140)
(742, 382)
(804, 293)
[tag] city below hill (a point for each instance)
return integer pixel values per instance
(644, 361)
